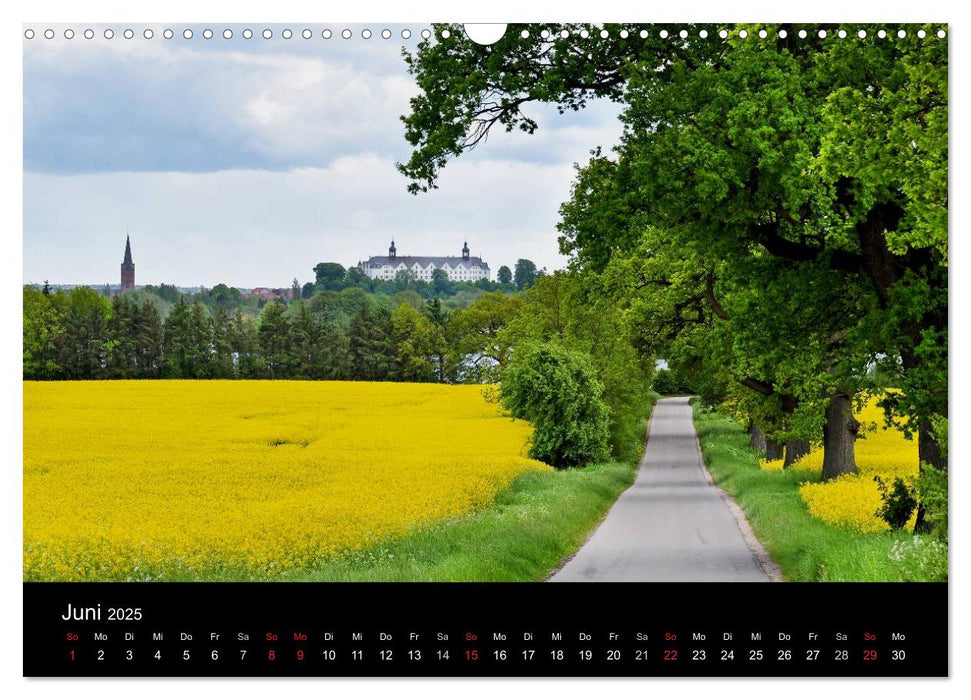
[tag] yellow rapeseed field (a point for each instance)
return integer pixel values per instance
(148, 480)
(854, 499)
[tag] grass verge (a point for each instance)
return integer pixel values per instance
(806, 549)
(522, 536)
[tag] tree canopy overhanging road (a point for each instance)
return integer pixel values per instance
(773, 221)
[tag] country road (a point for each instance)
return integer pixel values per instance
(671, 524)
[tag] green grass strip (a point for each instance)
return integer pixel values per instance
(805, 548)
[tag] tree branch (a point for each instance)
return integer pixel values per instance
(757, 385)
(709, 294)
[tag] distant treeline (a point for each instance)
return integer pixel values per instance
(352, 334)
(334, 277)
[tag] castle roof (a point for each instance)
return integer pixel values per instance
(437, 261)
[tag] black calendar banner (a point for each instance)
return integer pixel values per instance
(304, 629)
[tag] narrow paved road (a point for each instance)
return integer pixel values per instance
(671, 524)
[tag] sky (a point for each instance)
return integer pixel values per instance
(249, 161)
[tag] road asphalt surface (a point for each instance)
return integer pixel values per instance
(671, 524)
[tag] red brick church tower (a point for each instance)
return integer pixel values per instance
(127, 269)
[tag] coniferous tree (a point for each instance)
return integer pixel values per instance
(273, 333)
(222, 349)
(201, 341)
(243, 338)
(177, 342)
(120, 346)
(369, 344)
(305, 343)
(149, 341)
(82, 347)
(440, 356)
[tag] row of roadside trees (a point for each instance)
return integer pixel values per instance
(773, 220)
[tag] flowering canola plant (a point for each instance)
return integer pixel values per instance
(149, 480)
(853, 500)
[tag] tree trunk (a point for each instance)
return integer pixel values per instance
(927, 448)
(756, 438)
(773, 449)
(839, 438)
(928, 452)
(795, 450)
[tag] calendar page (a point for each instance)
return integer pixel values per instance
(553, 349)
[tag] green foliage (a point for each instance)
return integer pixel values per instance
(222, 346)
(921, 558)
(306, 342)
(356, 278)
(932, 490)
(245, 342)
(221, 296)
(403, 279)
(575, 310)
(83, 350)
(476, 333)
(774, 218)
(370, 349)
(898, 502)
(525, 273)
(415, 340)
(804, 547)
(347, 334)
(441, 285)
(666, 382)
(465, 88)
(188, 342)
(166, 292)
(43, 333)
(330, 276)
(504, 275)
(135, 348)
(558, 392)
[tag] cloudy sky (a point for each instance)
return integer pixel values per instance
(249, 161)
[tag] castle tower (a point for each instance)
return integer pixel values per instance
(465, 250)
(392, 251)
(127, 268)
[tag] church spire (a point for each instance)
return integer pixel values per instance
(127, 268)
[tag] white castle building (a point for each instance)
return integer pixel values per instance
(464, 269)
